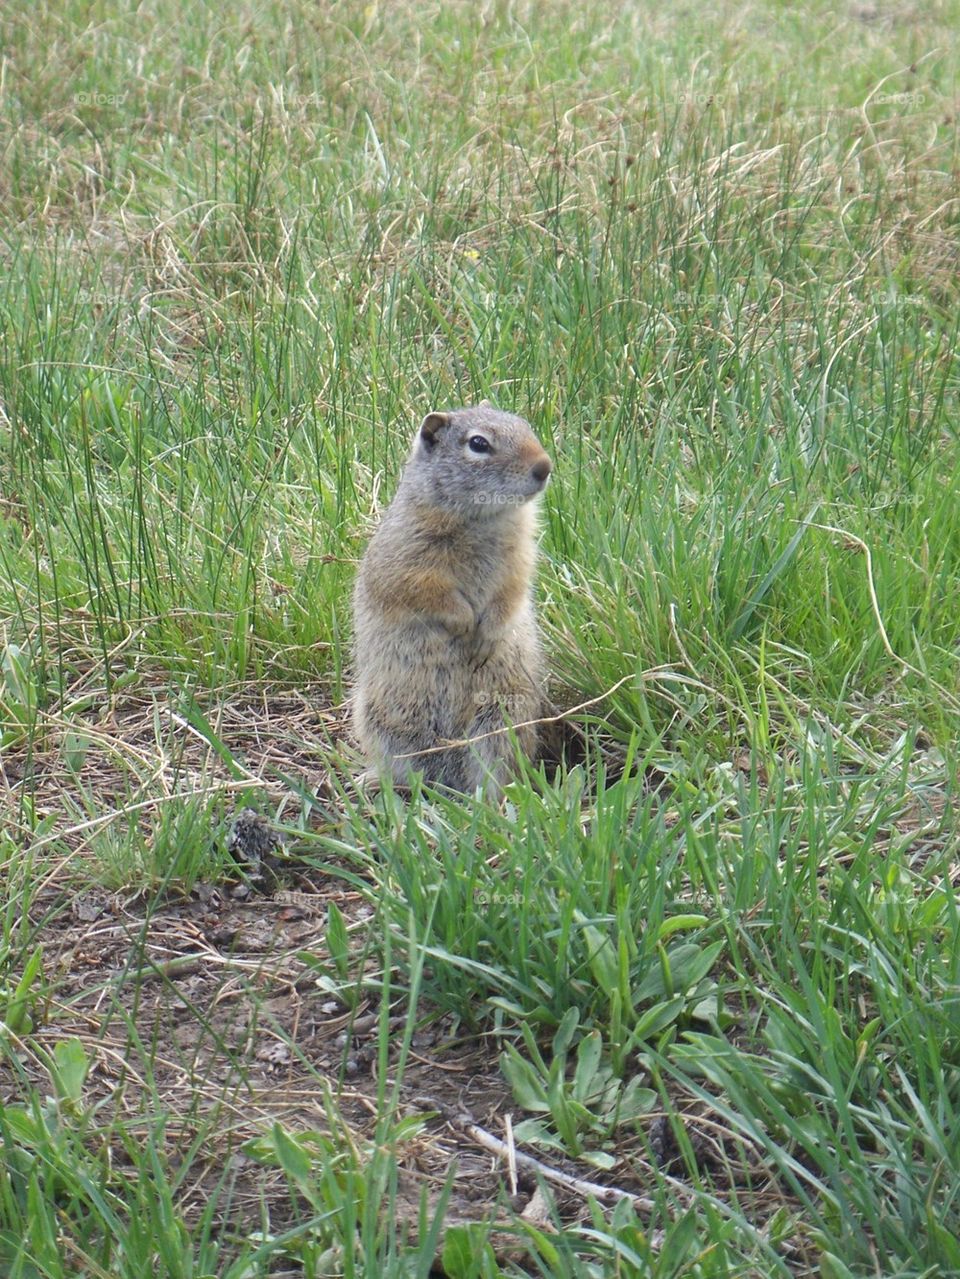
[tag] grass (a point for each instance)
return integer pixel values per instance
(712, 255)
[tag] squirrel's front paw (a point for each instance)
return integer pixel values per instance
(459, 620)
(486, 638)
(481, 650)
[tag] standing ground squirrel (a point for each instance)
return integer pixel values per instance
(445, 639)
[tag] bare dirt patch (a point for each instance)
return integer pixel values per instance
(202, 1013)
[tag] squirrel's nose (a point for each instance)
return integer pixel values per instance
(541, 470)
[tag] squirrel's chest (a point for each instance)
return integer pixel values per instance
(484, 571)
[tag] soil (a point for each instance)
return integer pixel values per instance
(202, 1013)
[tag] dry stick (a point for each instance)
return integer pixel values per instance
(674, 631)
(195, 732)
(74, 689)
(499, 732)
(587, 1189)
(878, 616)
(96, 368)
(511, 1152)
(666, 673)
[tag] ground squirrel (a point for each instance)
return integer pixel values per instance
(445, 639)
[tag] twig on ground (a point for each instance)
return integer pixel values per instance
(465, 1123)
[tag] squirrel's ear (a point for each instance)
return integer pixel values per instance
(430, 425)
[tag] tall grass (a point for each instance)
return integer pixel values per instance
(712, 257)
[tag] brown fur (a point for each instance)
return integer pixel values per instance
(445, 639)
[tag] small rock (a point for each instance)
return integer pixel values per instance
(252, 837)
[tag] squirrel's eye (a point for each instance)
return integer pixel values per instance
(477, 444)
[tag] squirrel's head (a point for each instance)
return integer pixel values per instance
(480, 461)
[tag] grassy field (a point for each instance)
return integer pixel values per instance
(710, 965)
